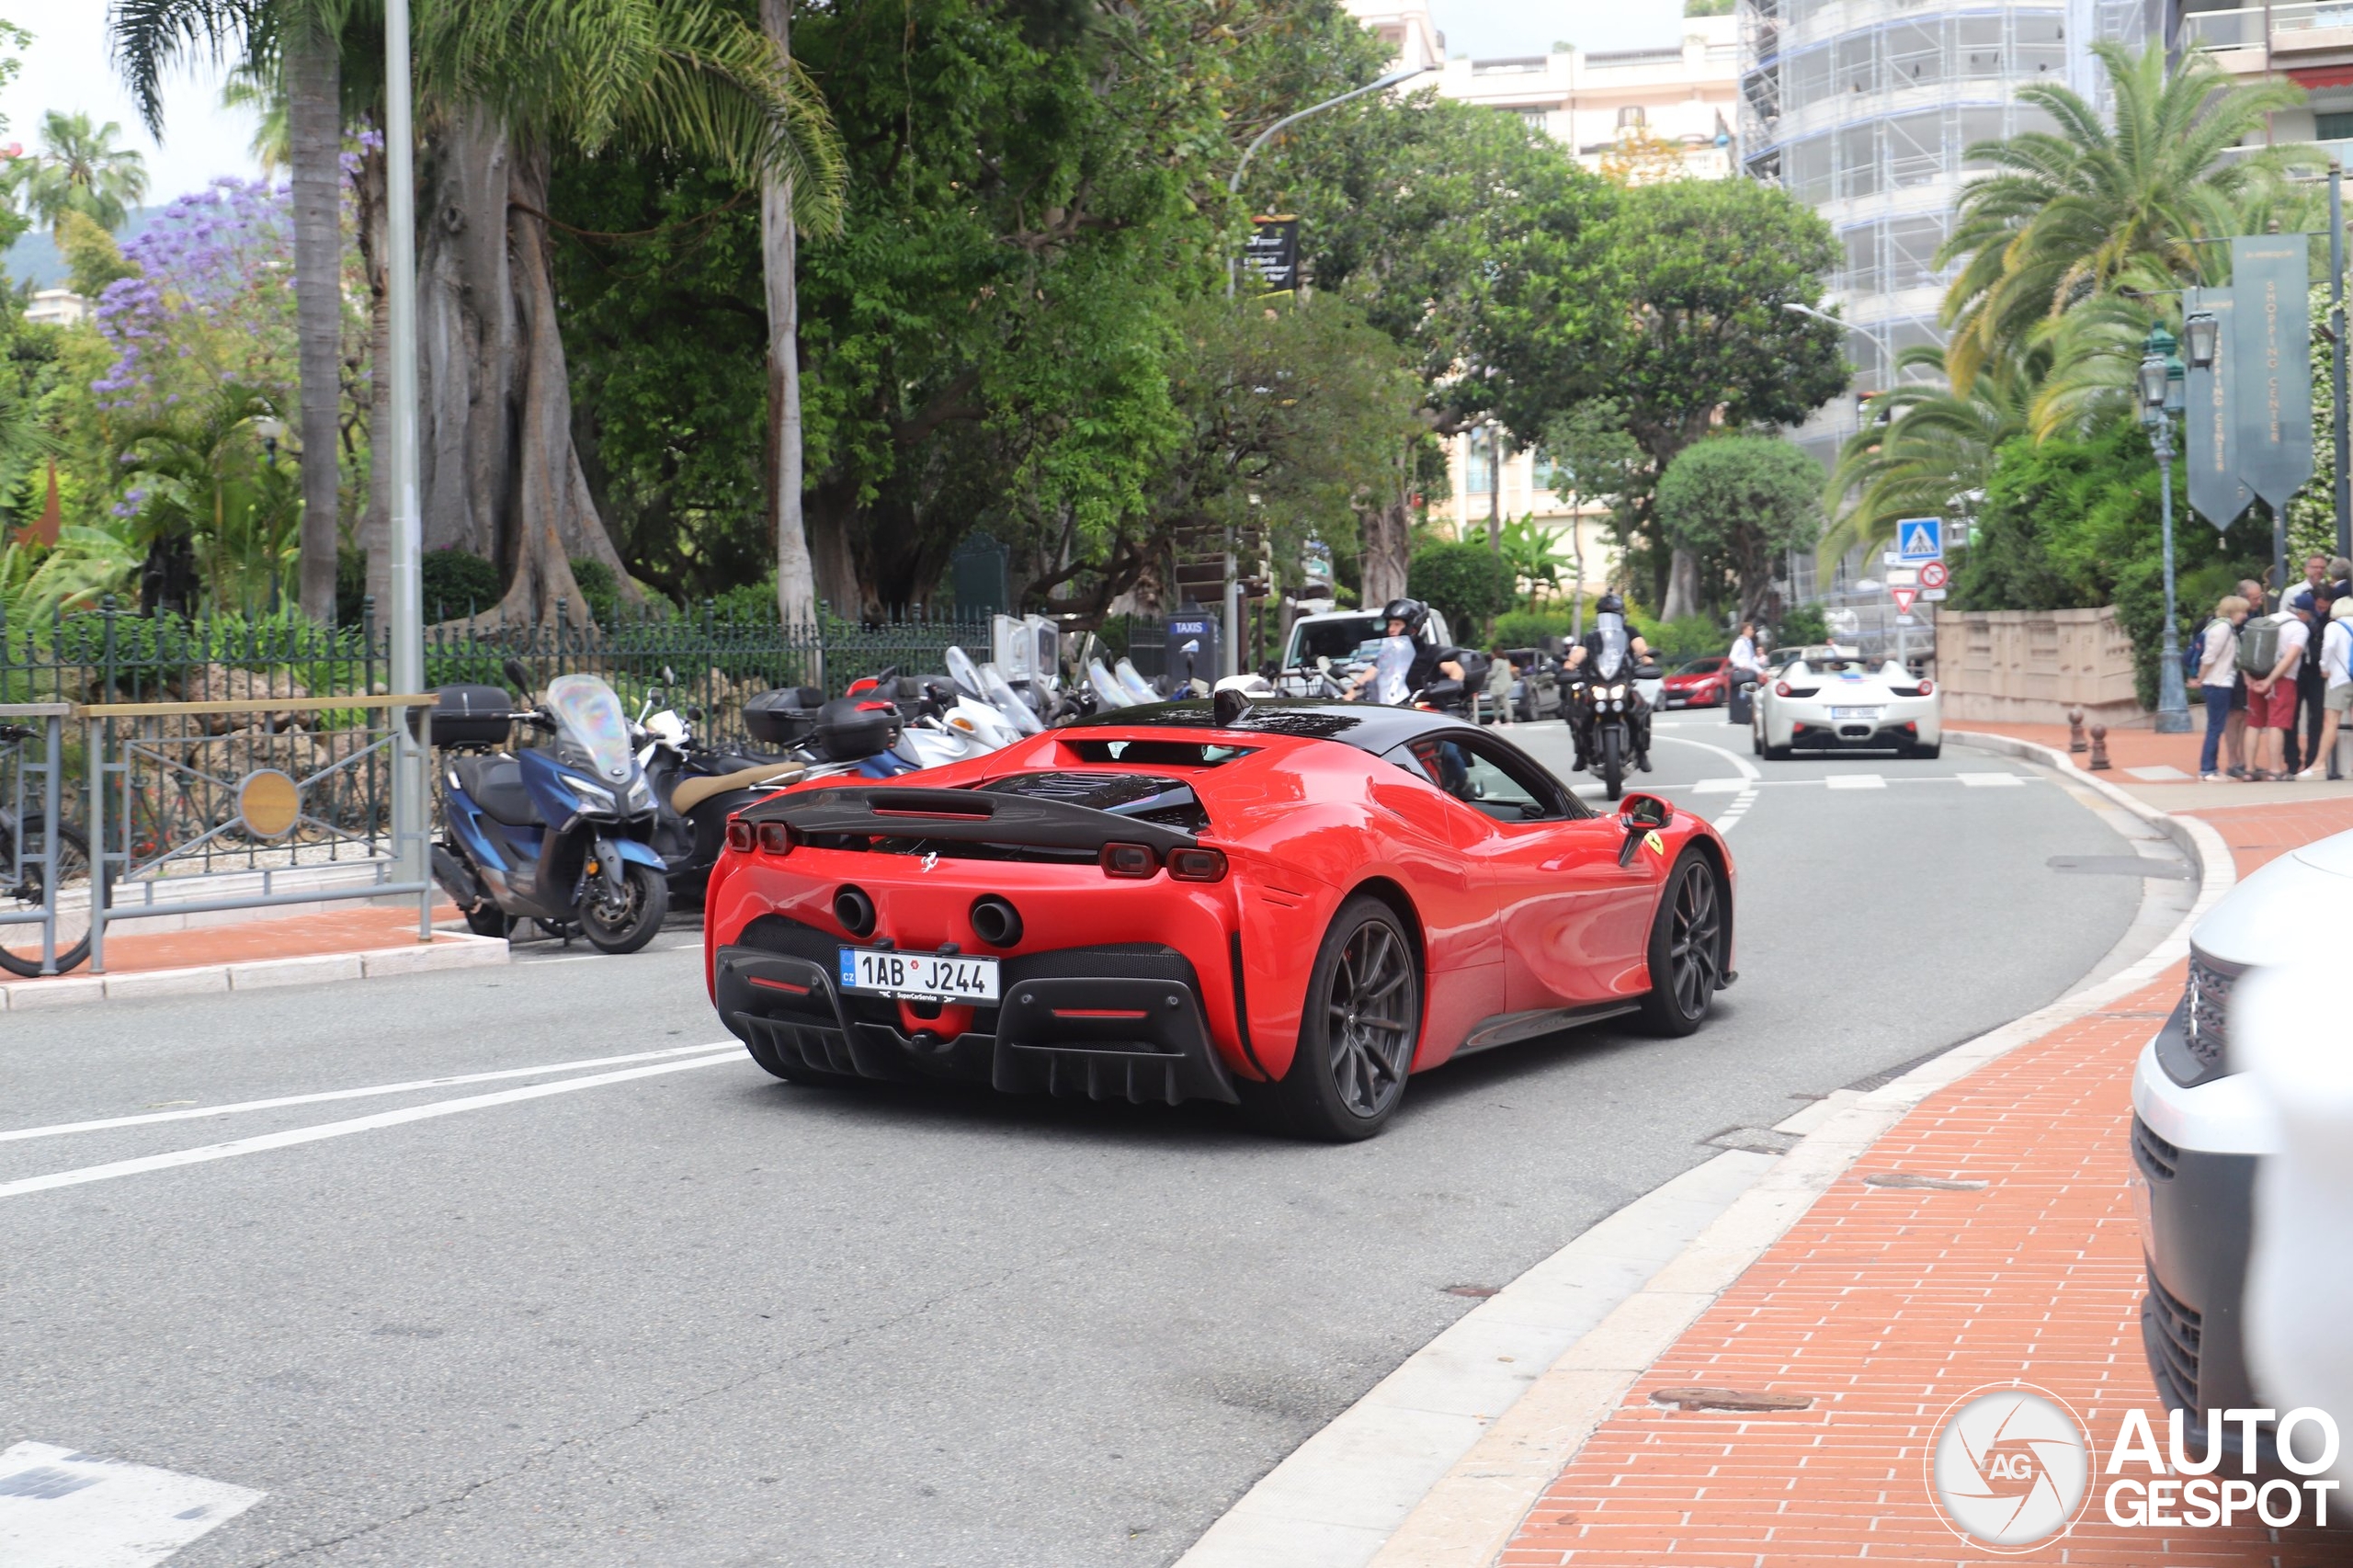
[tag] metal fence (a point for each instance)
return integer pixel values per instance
(259, 756)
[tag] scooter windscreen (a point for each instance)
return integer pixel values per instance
(966, 674)
(982, 722)
(591, 717)
(1008, 701)
(1108, 690)
(1138, 688)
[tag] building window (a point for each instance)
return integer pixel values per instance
(1545, 473)
(1632, 118)
(1479, 461)
(2334, 126)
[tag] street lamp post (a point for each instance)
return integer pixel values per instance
(2161, 397)
(407, 608)
(1232, 278)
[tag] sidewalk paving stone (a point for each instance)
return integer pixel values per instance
(1885, 1304)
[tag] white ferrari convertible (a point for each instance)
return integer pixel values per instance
(1837, 700)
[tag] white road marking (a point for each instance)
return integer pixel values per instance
(324, 1095)
(1720, 786)
(292, 1137)
(64, 1508)
(1991, 780)
(2163, 773)
(1729, 818)
(1854, 781)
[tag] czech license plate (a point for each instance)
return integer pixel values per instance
(1854, 712)
(927, 977)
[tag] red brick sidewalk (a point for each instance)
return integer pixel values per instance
(1884, 1305)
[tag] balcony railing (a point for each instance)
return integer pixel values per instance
(2291, 26)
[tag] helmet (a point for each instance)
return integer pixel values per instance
(1609, 604)
(1413, 612)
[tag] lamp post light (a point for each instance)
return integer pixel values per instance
(2161, 398)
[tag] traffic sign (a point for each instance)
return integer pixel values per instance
(1903, 598)
(1933, 574)
(1903, 577)
(1932, 594)
(1920, 538)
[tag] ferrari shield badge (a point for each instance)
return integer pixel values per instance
(1654, 844)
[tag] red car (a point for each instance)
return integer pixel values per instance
(1291, 906)
(1702, 683)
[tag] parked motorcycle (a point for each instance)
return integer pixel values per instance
(560, 833)
(698, 787)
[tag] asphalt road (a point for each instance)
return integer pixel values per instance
(700, 1317)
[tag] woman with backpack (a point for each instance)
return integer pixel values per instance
(2217, 648)
(2337, 696)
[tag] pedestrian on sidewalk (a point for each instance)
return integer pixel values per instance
(2271, 697)
(2337, 673)
(2218, 683)
(2311, 596)
(1499, 679)
(2235, 745)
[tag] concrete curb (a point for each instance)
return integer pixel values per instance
(448, 950)
(1469, 1518)
(1437, 1465)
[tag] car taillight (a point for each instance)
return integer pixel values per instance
(775, 838)
(1197, 865)
(739, 835)
(1135, 860)
(1781, 688)
(1928, 688)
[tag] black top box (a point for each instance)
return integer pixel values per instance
(473, 716)
(785, 717)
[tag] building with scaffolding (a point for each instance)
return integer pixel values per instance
(1865, 110)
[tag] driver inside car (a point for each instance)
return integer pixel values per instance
(1605, 652)
(1404, 666)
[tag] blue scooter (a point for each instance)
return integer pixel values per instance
(558, 832)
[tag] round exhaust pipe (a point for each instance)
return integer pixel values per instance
(995, 921)
(854, 910)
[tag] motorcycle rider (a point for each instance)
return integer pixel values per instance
(1604, 650)
(1404, 666)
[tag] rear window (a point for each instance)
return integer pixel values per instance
(1330, 639)
(1143, 796)
(1156, 753)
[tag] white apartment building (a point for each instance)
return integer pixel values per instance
(1682, 93)
(57, 307)
(2293, 40)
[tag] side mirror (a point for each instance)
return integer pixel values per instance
(669, 675)
(694, 715)
(516, 675)
(1641, 816)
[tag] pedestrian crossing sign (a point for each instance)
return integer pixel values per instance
(1920, 538)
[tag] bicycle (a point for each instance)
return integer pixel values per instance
(22, 884)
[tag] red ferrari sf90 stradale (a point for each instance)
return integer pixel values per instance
(1293, 905)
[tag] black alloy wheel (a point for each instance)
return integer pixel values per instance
(1687, 946)
(1356, 1042)
(624, 924)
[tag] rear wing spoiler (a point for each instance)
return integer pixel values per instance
(965, 816)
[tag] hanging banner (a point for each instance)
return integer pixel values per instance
(1273, 253)
(2270, 282)
(2211, 445)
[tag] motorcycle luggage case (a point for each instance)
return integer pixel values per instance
(473, 716)
(1740, 700)
(849, 728)
(785, 717)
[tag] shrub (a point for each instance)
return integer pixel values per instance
(1469, 584)
(1801, 625)
(456, 584)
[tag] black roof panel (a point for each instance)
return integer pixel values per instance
(1368, 726)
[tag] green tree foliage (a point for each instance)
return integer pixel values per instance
(81, 168)
(1469, 583)
(2073, 524)
(2079, 233)
(92, 258)
(1684, 296)
(1925, 451)
(1739, 504)
(1799, 625)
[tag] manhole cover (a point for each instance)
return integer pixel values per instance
(1922, 1183)
(1753, 1399)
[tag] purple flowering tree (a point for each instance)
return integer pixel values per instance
(213, 304)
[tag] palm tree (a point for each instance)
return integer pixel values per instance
(81, 168)
(1925, 449)
(2076, 213)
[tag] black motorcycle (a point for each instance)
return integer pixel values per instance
(697, 786)
(1610, 712)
